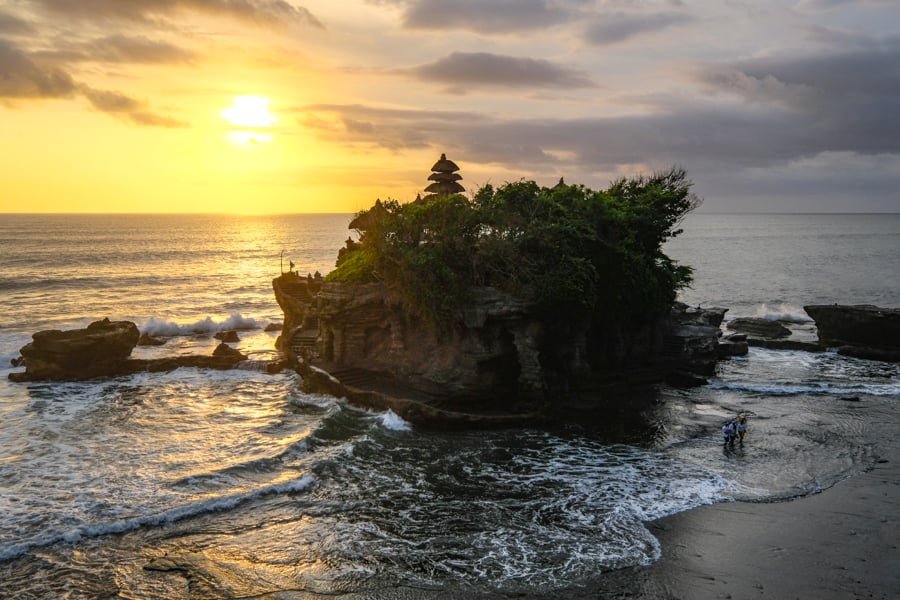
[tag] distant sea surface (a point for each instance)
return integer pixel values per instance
(199, 484)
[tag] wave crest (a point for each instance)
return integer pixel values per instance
(163, 328)
(784, 312)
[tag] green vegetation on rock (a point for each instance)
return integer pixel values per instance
(567, 249)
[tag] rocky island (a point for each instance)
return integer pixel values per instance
(520, 301)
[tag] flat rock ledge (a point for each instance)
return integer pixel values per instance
(862, 330)
(103, 349)
(759, 328)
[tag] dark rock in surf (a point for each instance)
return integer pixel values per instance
(230, 336)
(732, 348)
(881, 354)
(277, 366)
(758, 327)
(148, 340)
(736, 337)
(863, 331)
(99, 349)
(223, 350)
(273, 327)
(691, 341)
(103, 350)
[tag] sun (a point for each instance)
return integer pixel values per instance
(249, 111)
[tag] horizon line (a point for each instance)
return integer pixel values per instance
(227, 214)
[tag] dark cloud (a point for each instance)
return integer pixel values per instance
(461, 70)
(119, 49)
(13, 25)
(139, 49)
(497, 16)
(618, 27)
(830, 4)
(111, 102)
(24, 78)
(762, 112)
(264, 12)
(21, 77)
(867, 72)
(388, 128)
(126, 107)
(842, 101)
(713, 143)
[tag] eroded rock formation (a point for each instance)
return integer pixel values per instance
(864, 331)
(501, 353)
(103, 349)
(100, 348)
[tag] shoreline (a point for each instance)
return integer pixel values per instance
(843, 542)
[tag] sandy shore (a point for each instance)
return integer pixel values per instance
(841, 543)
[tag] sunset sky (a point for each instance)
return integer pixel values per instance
(276, 106)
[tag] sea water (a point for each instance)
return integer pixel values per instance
(199, 483)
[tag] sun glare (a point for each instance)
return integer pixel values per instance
(249, 111)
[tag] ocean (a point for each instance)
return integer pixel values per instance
(202, 484)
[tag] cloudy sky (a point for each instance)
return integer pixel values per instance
(284, 106)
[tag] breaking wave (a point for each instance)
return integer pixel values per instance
(784, 312)
(178, 513)
(390, 420)
(236, 321)
(816, 388)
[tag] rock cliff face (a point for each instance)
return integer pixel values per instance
(862, 330)
(499, 350)
(495, 351)
(692, 342)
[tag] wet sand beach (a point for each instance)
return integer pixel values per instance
(840, 543)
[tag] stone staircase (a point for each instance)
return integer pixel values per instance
(297, 289)
(305, 338)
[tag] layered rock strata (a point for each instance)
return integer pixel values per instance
(500, 356)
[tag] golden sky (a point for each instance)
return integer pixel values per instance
(283, 106)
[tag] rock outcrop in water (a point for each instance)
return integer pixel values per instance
(355, 340)
(863, 331)
(758, 327)
(516, 298)
(693, 345)
(103, 349)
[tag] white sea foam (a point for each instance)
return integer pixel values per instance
(160, 327)
(390, 420)
(787, 313)
(792, 389)
(170, 516)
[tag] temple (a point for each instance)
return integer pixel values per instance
(445, 179)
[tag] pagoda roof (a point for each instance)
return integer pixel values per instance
(445, 177)
(444, 165)
(445, 187)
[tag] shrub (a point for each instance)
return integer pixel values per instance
(568, 249)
